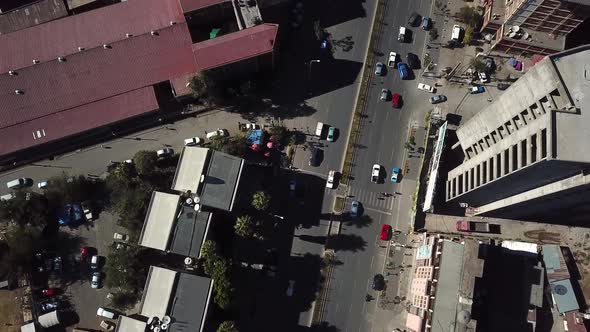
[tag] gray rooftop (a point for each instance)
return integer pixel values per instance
(189, 234)
(564, 296)
(221, 181)
(444, 316)
(31, 15)
(189, 306)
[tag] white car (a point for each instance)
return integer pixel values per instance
(291, 288)
(165, 152)
(425, 87)
(43, 184)
(95, 282)
(217, 133)
(392, 59)
(483, 77)
(384, 94)
(120, 237)
(330, 182)
(193, 141)
(106, 313)
(376, 171)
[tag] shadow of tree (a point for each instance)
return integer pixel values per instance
(348, 242)
(359, 222)
(324, 327)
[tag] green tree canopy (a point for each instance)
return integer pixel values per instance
(145, 162)
(260, 201)
(469, 15)
(25, 209)
(227, 326)
(244, 226)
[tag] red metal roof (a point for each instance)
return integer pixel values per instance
(77, 120)
(192, 5)
(45, 42)
(236, 46)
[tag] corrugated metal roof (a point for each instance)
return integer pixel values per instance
(28, 16)
(45, 42)
(192, 5)
(77, 120)
(235, 46)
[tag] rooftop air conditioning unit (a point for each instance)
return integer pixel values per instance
(19, 92)
(80, 48)
(106, 46)
(61, 59)
(35, 61)
(154, 33)
(128, 35)
(12, 73)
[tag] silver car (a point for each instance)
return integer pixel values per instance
(379, 69)
(384, 94)
(95, 281)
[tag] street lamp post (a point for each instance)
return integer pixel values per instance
(310, 63)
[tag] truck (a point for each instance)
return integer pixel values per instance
(331, 179)
(473, 226)
(319, 129)
(401, 37)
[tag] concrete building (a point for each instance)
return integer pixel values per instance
(532, 26)
(525, 155)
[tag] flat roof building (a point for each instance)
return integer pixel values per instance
(525, 155)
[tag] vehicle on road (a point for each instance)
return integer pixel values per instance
(319, 129)
(392, 59)
(120, 237)
(414, 19)
(165, 152)
(396, 100)
(475, 89)
(106, 313)
(7, 197)
(249, 126)
(217, 133)
(403, 70)
(413, 61)
(87, 211)
(437, 99)
(425, 87)
(193, 141)
(375, 172)
(19, 183)
(483, 77)
(43, 184)
(395, 174)
(331, 133)
(331, 179)
(354, 208)
(84, 252)
(378, 282)
(425, 23)
(107, 326)
(95, 281)
(401, 37)
(94, 263)
(456, 32)
(379, 70)
(384, 94)
(292, 187)
(472, 226)
(385, 233)
(49, 291)
(291, 288)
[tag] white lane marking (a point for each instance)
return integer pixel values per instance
(337, 307)
(378, 211)
(397, 216)
(372, 259)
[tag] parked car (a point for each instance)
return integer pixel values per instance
(395, 174)
(392, 59)
(94, 263)
(437, 99)
(87, 211)
(385, 232)
(7, 197)
(120, 237)
(375, 173)
(95, 281)
(19, 183)
(193, 141)
(292, 187)
(291, 288)
(57, 264)
(425, 87)
(43, 184)
(49, 291)
(84, 252)
(217, 133)
(331, 179)
(384, 94)
(404, 71)
(413, 61)
(49, 306)
(401, 37)
(165, 152)
(456, 33)
(414, 19)
(396, 100)
(483, 77)
(475, 89)
(106, 313)
(331, 132)
(425, 23)
(503, 86)
(354, 208)
(379, 69)
(378, 282)
(315, 156)
(107, 326)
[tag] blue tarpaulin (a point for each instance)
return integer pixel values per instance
(69, 214)
(255, 136)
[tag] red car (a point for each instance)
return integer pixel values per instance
(84, 254)
(49, 292)
(385, 232)
(395, 100)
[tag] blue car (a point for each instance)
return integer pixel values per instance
(475, 89)
(403, 70)
(395, 174)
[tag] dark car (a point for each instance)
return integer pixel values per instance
(49, 306)
(57, 264)
(503, 86)
(378, 282)
(414, 19)
(413, 61)
(438, 99)
(315, 156)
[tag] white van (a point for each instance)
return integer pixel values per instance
(402, 34)
(106, 313)
(217, 133)
(319, 129)
(7, 197)
(456, 33)
(16, 183)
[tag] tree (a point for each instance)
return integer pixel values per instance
(235, 146)
(279, 133)
(468, 36)
(478, 64)
(469, 15)
(22, 243)
(227, 326)
(244, 227)
(208, 256)
(145, 162)
(433, 34)
(260, 200)
(224, 292)
(25, 209)
(199, 84)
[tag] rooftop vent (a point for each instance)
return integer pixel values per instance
(19, 92)
(12, 73)
(80, 48)
(154, 33)
(172, 22)
(128, 35)
(106, 46)
(35, 61)
(61, 59)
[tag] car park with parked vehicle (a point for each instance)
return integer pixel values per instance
(403, 70)
(165, 152)
(331, 179)
(217, 134)
(291, 288)
(375, 173)
(425, 87)
(94, 262)
(401, 37)
(414, 19)
(106, 313)
(193, 141)
(384, 94)
(354, 208)
(331, 134)
(396, 100)
(120, 237)
(413, 61)
(43, 184)
(392, 59)
(378, 282)
(475, 89)
(385, 233)
(379, 70)
(95, 280)
(425, 23)
(437, 99)
(19, 183)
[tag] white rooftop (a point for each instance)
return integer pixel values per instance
(159, 220)
(127, 324)
(157, 291)
(190, 168)
(521, 246)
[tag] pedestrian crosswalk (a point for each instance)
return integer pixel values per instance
(372, 200)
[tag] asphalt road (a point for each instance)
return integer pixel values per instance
(382, 141)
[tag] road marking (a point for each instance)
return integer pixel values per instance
(337, 307)
(372, 259)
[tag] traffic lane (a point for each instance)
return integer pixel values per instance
(359, 256)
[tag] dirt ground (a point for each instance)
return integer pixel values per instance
(10, 313)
